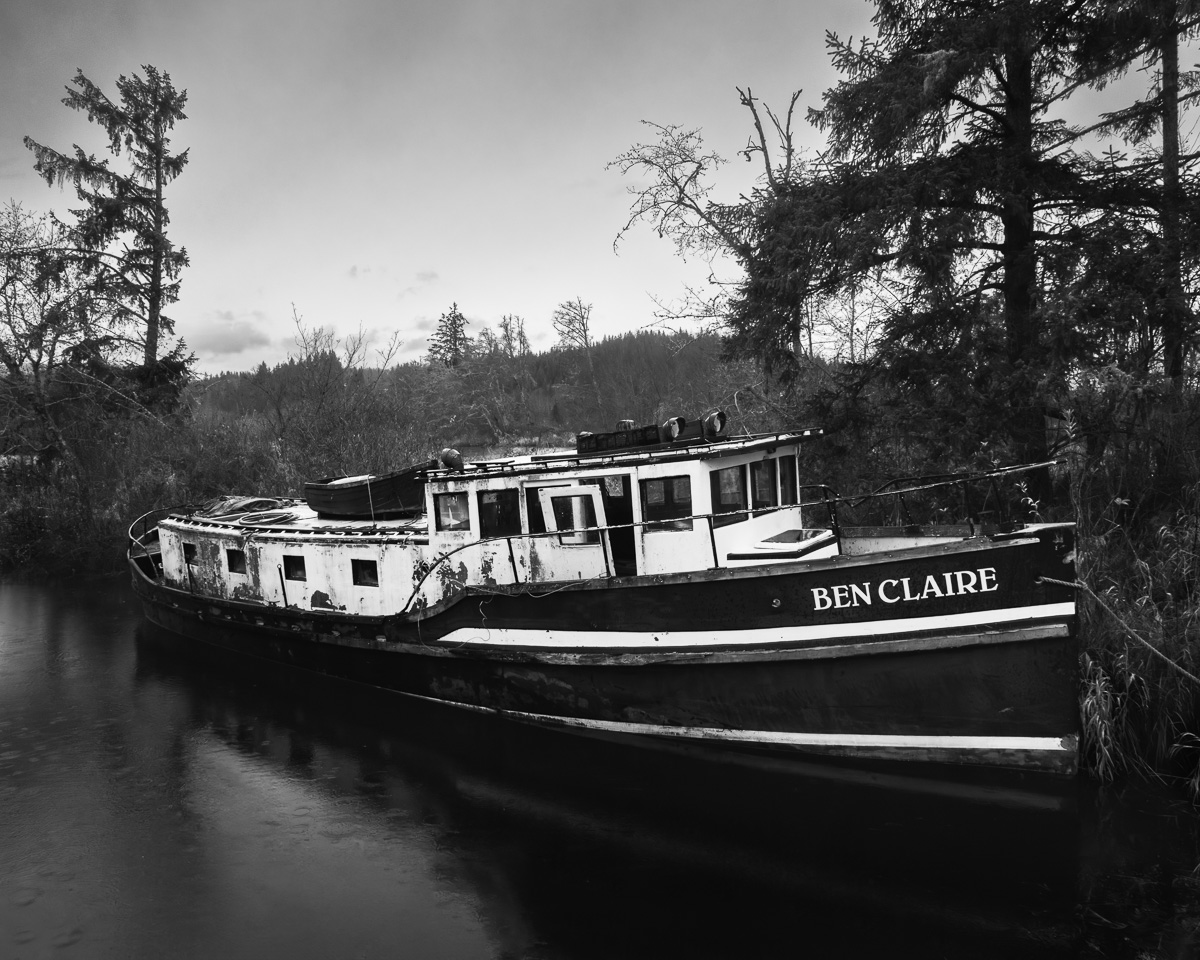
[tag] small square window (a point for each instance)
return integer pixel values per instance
(667, 503)
(615, 486)
(189, 553)
(365, 573)
(293, 567)
(236, 560)
(451, 511)
(499, 513)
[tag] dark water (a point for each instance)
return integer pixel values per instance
(153, 804)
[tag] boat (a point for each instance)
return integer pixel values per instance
(397, 494)
(676, 588)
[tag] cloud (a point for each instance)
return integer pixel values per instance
(227, 334)
(424, 279)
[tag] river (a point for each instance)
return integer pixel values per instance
(157, 804)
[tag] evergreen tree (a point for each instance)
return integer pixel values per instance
(952, 185)
(126, 208)
(450, 344)
(1150, 32)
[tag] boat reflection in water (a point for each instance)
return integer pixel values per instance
(531, 843)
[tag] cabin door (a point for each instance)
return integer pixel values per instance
(615, 492)
(580, 550)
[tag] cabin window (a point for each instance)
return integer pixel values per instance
(762, 485)
(236, 560)
(189, 553)
(499, 513)
(574, 514)
(533, 504)
(451, 511)
(728, 495)
(789, 491)
(537, 523)
(667, 503)
(293, 567)
(365, 573)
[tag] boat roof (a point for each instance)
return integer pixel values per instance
(697, 449)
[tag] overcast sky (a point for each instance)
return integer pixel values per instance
(374, 161)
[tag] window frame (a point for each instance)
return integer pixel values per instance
(666, 523)
(575, 536)
(364, 572)
(485, 509)
(724, 515)
(458, 496)
(771, 466)
(789, 467)
(290, 561)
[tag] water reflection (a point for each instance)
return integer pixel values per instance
(158, 804)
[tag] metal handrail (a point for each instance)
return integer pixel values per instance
(605, 542)
(145, 524)
(830, 499)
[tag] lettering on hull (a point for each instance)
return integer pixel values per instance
(952, 583)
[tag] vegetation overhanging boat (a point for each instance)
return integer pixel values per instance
(661, 585)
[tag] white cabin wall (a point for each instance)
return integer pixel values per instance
(329, 579)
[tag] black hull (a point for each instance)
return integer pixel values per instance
(879, 704)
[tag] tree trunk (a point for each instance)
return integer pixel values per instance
(1026, 422)
(154, 296)
(1173, 303)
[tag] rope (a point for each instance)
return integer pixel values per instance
(1080, 585)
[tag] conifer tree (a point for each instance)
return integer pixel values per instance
(450, 344)
(126, 208)
(950, 180)
(1150, 32)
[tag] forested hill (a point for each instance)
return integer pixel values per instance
(491, 396)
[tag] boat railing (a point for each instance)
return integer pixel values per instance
(823, 496)
(604, 534)
(143, 530)
(901, 492)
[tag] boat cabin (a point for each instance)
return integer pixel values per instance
(644, 511)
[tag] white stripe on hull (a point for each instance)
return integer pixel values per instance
(646, 639)
(1057, 754)
(781, 738)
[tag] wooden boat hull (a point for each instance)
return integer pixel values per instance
(375, 497)
(960, 659)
